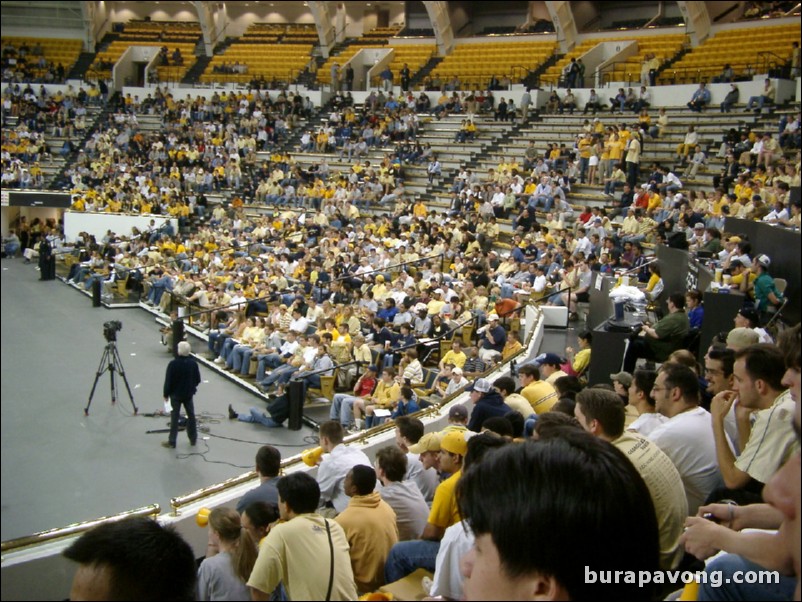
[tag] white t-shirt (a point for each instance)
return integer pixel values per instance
(332, 471)
(447, 582)
(687, 439)
(646, 423)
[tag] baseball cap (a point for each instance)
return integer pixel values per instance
(438, 291)
(742, 337)
(550, 359)
(698, 226)
(734, 239)
(459, 411)
(454, 442)
(750, 314)
(763, 260)
(430, 442)
(481, 384)
(625, 378)
(455, 370)
(492, 317)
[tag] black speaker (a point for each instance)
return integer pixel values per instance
(295, 397)
(95, 293)
(178, 335)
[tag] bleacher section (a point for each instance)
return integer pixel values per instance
(414, 56)
(475, 64)
(161, 31)
(664, 47)
(282, 62)
(741, 48)
(54, 51)
(380, 35)
(102, 65)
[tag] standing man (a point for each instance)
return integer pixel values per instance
(633, 160)
(349, 77)
(180, 383)
(405, 78)
(526, 100)
(45, 258)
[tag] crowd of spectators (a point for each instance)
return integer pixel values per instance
(705, 461)
(26, 64)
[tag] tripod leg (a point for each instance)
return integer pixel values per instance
(100, 369)
(119, 364)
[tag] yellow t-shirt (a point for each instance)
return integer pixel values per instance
(540, 395)
(581, 360)
(458, 359)
(445, 511)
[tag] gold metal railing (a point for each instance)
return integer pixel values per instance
(44, 536)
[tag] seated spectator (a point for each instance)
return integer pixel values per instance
(757, 103)
(639, 396)
(334, 465)
(730, 99)
(458, 539)
(540, 394)
(758, 373)
(525, 481)
(487, 402)
(223, 575)
(686, 436)
(132, 559)
(369, 525)
(268, 466)
(700, 99)
(402, 494)
(601, 413)
(290, 554)
(746, 549)
(407, 556)
(656, 343)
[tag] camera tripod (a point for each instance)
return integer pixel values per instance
(111, 361)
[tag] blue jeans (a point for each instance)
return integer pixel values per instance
(728, 564)
(236, 357)
(406, 556)
(284, 372)
(11, 249)
(271, 360)
(342, 409)
(258, 416)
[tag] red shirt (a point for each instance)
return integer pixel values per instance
(366, 386)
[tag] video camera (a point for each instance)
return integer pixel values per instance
(111, 328)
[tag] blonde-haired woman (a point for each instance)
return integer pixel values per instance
(224, 575)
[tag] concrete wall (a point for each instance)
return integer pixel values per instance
(680, 95)
(605, 54)
(367, 63)
(99, 223)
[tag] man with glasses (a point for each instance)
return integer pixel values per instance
(686, 436)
